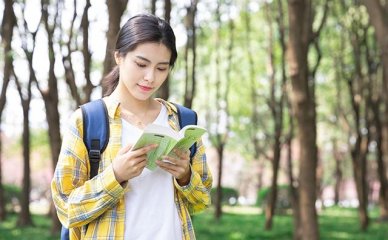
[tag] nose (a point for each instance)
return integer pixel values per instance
(149, 75)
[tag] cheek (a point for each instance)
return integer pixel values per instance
(132, 73)
(163, 76)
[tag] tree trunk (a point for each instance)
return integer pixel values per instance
(167, 10)
(88, 88)
(218, 203)
(164, 90)
(276, 105)
(153, 7)
(378, 14)
(7, 26)
(218, 144)
(337, 173)
(190, 53)
(25, 215)
(381, 167)
(115, 11)
(359, 169)
(271, 203)
(221, 138)
(303, 105)
(50, 98)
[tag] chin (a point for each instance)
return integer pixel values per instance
(143, 97)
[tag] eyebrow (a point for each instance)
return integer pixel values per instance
(147, 60)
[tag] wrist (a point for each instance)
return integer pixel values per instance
(117, 175)
(183, 181)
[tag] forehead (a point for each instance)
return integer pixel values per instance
(153, 51)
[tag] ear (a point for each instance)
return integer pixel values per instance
(117, 57)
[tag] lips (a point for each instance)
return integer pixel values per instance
(145, 88)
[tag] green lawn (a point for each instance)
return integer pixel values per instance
(335, 224)
(40, 230)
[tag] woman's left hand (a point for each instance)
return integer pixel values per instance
(178, 165)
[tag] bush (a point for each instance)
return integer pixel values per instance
(12, 194)
(228, 194)
(283, 200)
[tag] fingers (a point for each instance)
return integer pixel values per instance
(143, 150)
(125, 149)
(182, 154)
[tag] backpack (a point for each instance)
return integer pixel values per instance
(96, 135)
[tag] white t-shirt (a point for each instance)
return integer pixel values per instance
(150, 210)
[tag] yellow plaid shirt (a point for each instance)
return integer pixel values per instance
(95, 208)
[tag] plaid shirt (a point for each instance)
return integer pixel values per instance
(95, 208)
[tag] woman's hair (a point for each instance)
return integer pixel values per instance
(143, 28)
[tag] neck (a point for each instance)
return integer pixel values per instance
(129, 103)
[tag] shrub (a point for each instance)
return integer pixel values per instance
(227, 195)
(12, 194)
(283, 200)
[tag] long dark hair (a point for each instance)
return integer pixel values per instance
(139, 29)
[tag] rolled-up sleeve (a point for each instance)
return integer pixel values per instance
(78, 199)
(197, 191)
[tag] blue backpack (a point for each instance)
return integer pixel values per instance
(96, 135)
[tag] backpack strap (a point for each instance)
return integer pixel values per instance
(186, 116)
(96, 132)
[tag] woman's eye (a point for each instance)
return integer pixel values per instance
(162, 69)
(141, 65)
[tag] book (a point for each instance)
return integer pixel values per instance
(167, 140)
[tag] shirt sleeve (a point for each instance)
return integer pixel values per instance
(196, 193)
(78, 199)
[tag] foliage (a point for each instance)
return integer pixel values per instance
(228, 194)
(283, 197)
(38, 140)
(12, 194)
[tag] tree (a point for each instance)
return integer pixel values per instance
(50, 94)
(153, 7)
(7, 26)
(115, 12)
(254, 98)
(276, 104)
(164, 90)
(378, 14)
(354, 72)
(25, 99)
(222, 110)
(301, 36)
(167, 10)
(190, 80)
(79, 95)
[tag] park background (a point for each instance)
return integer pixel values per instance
(293, 94)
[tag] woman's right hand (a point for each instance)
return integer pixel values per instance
(130, 163)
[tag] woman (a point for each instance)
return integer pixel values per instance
(126, 200)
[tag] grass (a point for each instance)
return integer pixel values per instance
(235, 224)
(334, 223)
(40, 230)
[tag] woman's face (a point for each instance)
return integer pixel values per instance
(143, 70)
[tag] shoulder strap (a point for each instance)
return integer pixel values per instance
(96, 132)
(186, 116)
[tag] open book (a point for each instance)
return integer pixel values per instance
(167, 139)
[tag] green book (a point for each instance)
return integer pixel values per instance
(167, 139)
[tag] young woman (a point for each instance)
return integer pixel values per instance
(126, 200)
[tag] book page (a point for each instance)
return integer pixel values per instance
(191, 133)
(165, 137)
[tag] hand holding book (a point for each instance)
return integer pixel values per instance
(167, 139)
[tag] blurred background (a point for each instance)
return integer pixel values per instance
(293, 94)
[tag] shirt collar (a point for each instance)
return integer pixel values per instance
(114, 111)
